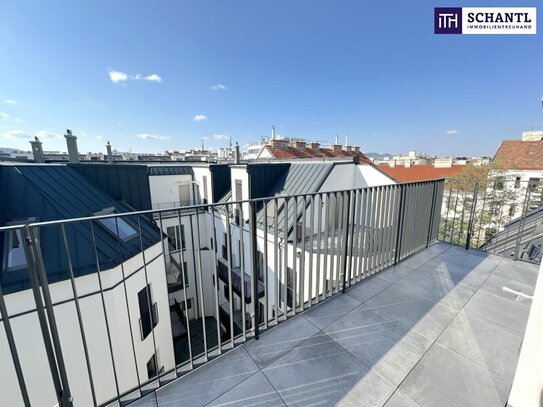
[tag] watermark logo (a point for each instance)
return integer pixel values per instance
(448, 20)
(485, 20)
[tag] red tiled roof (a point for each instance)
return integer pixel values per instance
(291, 152)
(520, 155)
(422, 172)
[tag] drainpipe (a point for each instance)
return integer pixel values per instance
(236, 154)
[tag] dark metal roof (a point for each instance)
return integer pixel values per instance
(300, 178)
(170, 170)
(127, 183)
(53, 192)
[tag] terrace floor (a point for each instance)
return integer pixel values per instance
(436, 330)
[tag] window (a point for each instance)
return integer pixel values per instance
(189, 304)
(499, 183)
(204, 186)
(517, 182)
(225, 248)
(152, 367)
(533, 184)
(290, 288)
(239, 189)
(118, 227)
(260, 265)
(176, 237)
(148, 312)
(184, 194)
(14, 254)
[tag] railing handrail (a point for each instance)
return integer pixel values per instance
(202, 206)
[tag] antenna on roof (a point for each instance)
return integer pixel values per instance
(346, 139)
(273, 133)
(336, 139)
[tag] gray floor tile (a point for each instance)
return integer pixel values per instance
(452, 274)
(208, 382)
(388, 348)
(394, 273)
(321, 373)
(366, 289)
(147, 401)
(436, 289)
(443, 378)
(420, 315)
(255, 391)
(400, 400)
(279, 340)
(331, 310)
(417, 260)
(486, 344)
(499, 310)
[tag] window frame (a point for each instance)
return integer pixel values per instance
(116, 230)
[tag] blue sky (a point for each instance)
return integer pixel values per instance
(373, 70)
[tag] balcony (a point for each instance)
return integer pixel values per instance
(437, 329)
(342, 297)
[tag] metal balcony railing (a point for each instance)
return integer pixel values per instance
(502, 215)
(82, 294)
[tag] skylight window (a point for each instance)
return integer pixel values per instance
(14, 255)
(118, 227)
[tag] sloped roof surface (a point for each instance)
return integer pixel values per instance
(521, 155)
(170, 170)
(51, 192)
(422, 172)
(300, 178)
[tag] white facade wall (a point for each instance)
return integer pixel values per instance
(31, 350)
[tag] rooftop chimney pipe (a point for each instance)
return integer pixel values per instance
(273, 132)
(71, 142)
(236, 154)
(109, 153)
(37, 150)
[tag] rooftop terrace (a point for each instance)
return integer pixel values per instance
(437, 329)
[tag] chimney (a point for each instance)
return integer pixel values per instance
(356, 149)
(109, 153)
(348, 148)
(236, 154)
(315, 147)
(71, 142)
(392, 163)
(273, 133)
(37, 150)
(299, 145)
(407, 163)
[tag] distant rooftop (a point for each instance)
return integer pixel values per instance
(420, 172)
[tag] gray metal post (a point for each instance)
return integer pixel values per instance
(472, 214)
(254, 265)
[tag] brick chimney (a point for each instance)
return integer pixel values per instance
(348, 148)
(335, 147)
(299, 145)
(356, 149)
(314, 146)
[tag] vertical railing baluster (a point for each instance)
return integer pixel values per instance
(285, 259)
(254, 266)
(276, 259)
(319, 237)
(327, 272)
(185, 299)
(229, 208)
(311, 250)
(216, 277)
(80, 318)
(295, 257)
(302, 256)
(242, 271)
(265, 265)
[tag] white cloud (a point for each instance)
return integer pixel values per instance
(218, 87)
(118, 77)
(451, 132)
(9, 102)
(145, 136)
(153, 78)
(16, 134)
(199, 118)
(123, 77)
(99, 137)
(47, 135)
(4, 116)
(221, 137)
